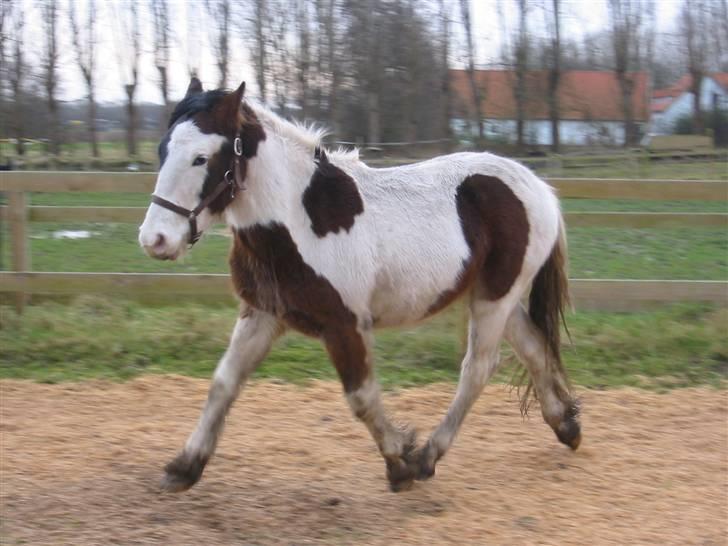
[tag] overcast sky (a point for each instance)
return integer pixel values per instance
(580, 16)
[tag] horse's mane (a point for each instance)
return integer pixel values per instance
(305, 135)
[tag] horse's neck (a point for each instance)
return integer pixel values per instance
(276, 179)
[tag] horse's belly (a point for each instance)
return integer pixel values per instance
(407, 290)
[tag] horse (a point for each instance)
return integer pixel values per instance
(327, 246)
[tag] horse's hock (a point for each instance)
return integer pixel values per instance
(80, 464)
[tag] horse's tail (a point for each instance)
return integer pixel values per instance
(547, 303)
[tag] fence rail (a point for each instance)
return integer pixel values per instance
(598, 293)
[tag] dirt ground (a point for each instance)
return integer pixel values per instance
(80, 464)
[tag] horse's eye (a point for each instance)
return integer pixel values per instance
(199, 160)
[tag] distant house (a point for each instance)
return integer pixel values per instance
(590, 106)
(670, 104)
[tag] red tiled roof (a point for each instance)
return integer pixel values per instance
(663, 98)
(583, 94)
(721, 78)
(676, 89)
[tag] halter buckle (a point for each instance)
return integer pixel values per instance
(238, 146)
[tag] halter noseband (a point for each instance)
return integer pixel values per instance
(232, 179)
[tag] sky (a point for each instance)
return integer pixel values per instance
(580, 16)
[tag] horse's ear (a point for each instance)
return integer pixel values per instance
(239, 92)
(194, 87)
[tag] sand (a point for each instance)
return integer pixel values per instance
(80, 464)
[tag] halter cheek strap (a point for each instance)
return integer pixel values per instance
(232, 180)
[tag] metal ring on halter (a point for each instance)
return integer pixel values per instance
(228, 176)
(238, 146)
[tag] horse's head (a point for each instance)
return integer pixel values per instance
(202, 167)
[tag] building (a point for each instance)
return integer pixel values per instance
(670, 104)
(590, 106)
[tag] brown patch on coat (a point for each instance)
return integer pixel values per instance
(495, 226)
(269, 273)
(331, 199)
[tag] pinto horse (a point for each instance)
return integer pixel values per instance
(325, 245)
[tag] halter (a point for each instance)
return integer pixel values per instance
(232, 179)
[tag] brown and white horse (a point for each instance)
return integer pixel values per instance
(327, 246)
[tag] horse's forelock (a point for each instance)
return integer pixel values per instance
(195, 104)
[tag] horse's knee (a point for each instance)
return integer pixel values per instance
(183, 472)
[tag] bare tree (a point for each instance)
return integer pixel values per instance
(260, 48)
(219, 12)
(520, 90)
(85, 58)
(554, 73)
(331, 27)
(695, 37)
(160, 12)
(474, 90)
(16, 73)
(49, 63)
(304, 54)
(444, 14)
(128, 49)
(626, 18)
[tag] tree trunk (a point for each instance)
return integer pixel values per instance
(54, 129)
(627, 86)
(695, 88)
(373, 135)
(92, 133)
(554, 80)
(131, 144)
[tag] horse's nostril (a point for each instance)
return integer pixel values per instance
(160, 241)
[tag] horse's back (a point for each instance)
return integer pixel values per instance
(425, 217)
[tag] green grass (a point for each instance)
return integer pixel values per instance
(99, 338)
(594, 252)
(675, 170)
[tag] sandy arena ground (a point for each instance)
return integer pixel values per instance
(80, 464)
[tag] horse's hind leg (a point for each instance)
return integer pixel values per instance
(487, 322)
(549, 379)
(350, 350)
(250, 342)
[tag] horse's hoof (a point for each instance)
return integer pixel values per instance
(569, 433)
(569, 430)
(398, 487)
(182, 473)
(400, 474)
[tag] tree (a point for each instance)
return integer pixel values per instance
(474, 90)
(85, 58)
(128, 48)
(695, 37)
(520, 90)
(219, 12)
(554, 73)
(49, 63)
(16, 73)
(160, 12)
(445, 106)
(626, 18)
(260, 47)
(303, 57)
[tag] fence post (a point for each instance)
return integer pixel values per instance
(18, 220)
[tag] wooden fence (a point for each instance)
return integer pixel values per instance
(598, 293)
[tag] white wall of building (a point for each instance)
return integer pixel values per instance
(538, 132)
(711, 95)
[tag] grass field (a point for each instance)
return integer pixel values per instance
(95, 337)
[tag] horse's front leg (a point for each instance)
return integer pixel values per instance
(250, 342)
(350, 349)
